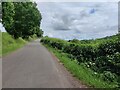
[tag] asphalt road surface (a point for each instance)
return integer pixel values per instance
(33, 66)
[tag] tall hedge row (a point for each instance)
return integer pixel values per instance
(102, 58)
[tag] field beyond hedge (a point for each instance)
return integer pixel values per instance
(102, 56)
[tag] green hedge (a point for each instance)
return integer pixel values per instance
(103, 57)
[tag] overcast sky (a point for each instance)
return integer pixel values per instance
(80, 20)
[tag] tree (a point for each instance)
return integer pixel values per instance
(39, 32)
(8, 13)
(0, 12)
(26, 19)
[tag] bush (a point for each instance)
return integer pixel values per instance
(101, 55)
(108, 76)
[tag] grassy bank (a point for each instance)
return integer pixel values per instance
(10, 44)
(0, 44)
(87, 76)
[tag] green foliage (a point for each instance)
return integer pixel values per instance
(0, 43)
(74, 41)
(100, 55)
(21, 19)
(87, 76)
(39, 32)
(8, 12)
(10, 44)
(108, 76)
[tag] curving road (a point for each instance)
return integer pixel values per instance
(33, 66)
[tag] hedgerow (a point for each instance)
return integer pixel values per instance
(100, 55)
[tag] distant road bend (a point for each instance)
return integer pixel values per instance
(33, 66)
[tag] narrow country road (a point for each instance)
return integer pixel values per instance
(33, 66)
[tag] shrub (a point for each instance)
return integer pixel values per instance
(101, 55)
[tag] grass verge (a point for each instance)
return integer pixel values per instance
(10, 44)
(0, 44)
(84, 74)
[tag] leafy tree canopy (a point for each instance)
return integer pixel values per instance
(21, 19)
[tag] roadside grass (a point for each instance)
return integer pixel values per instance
(84, 74)
(0, 44)
(10, 44)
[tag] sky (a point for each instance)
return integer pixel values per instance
(79, 20)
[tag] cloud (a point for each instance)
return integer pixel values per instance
(62, 22)
(79, 20)
(92, 11)
(2, 29)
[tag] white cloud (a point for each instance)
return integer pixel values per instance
(2, 29)
(79, 20)
(76, 0)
